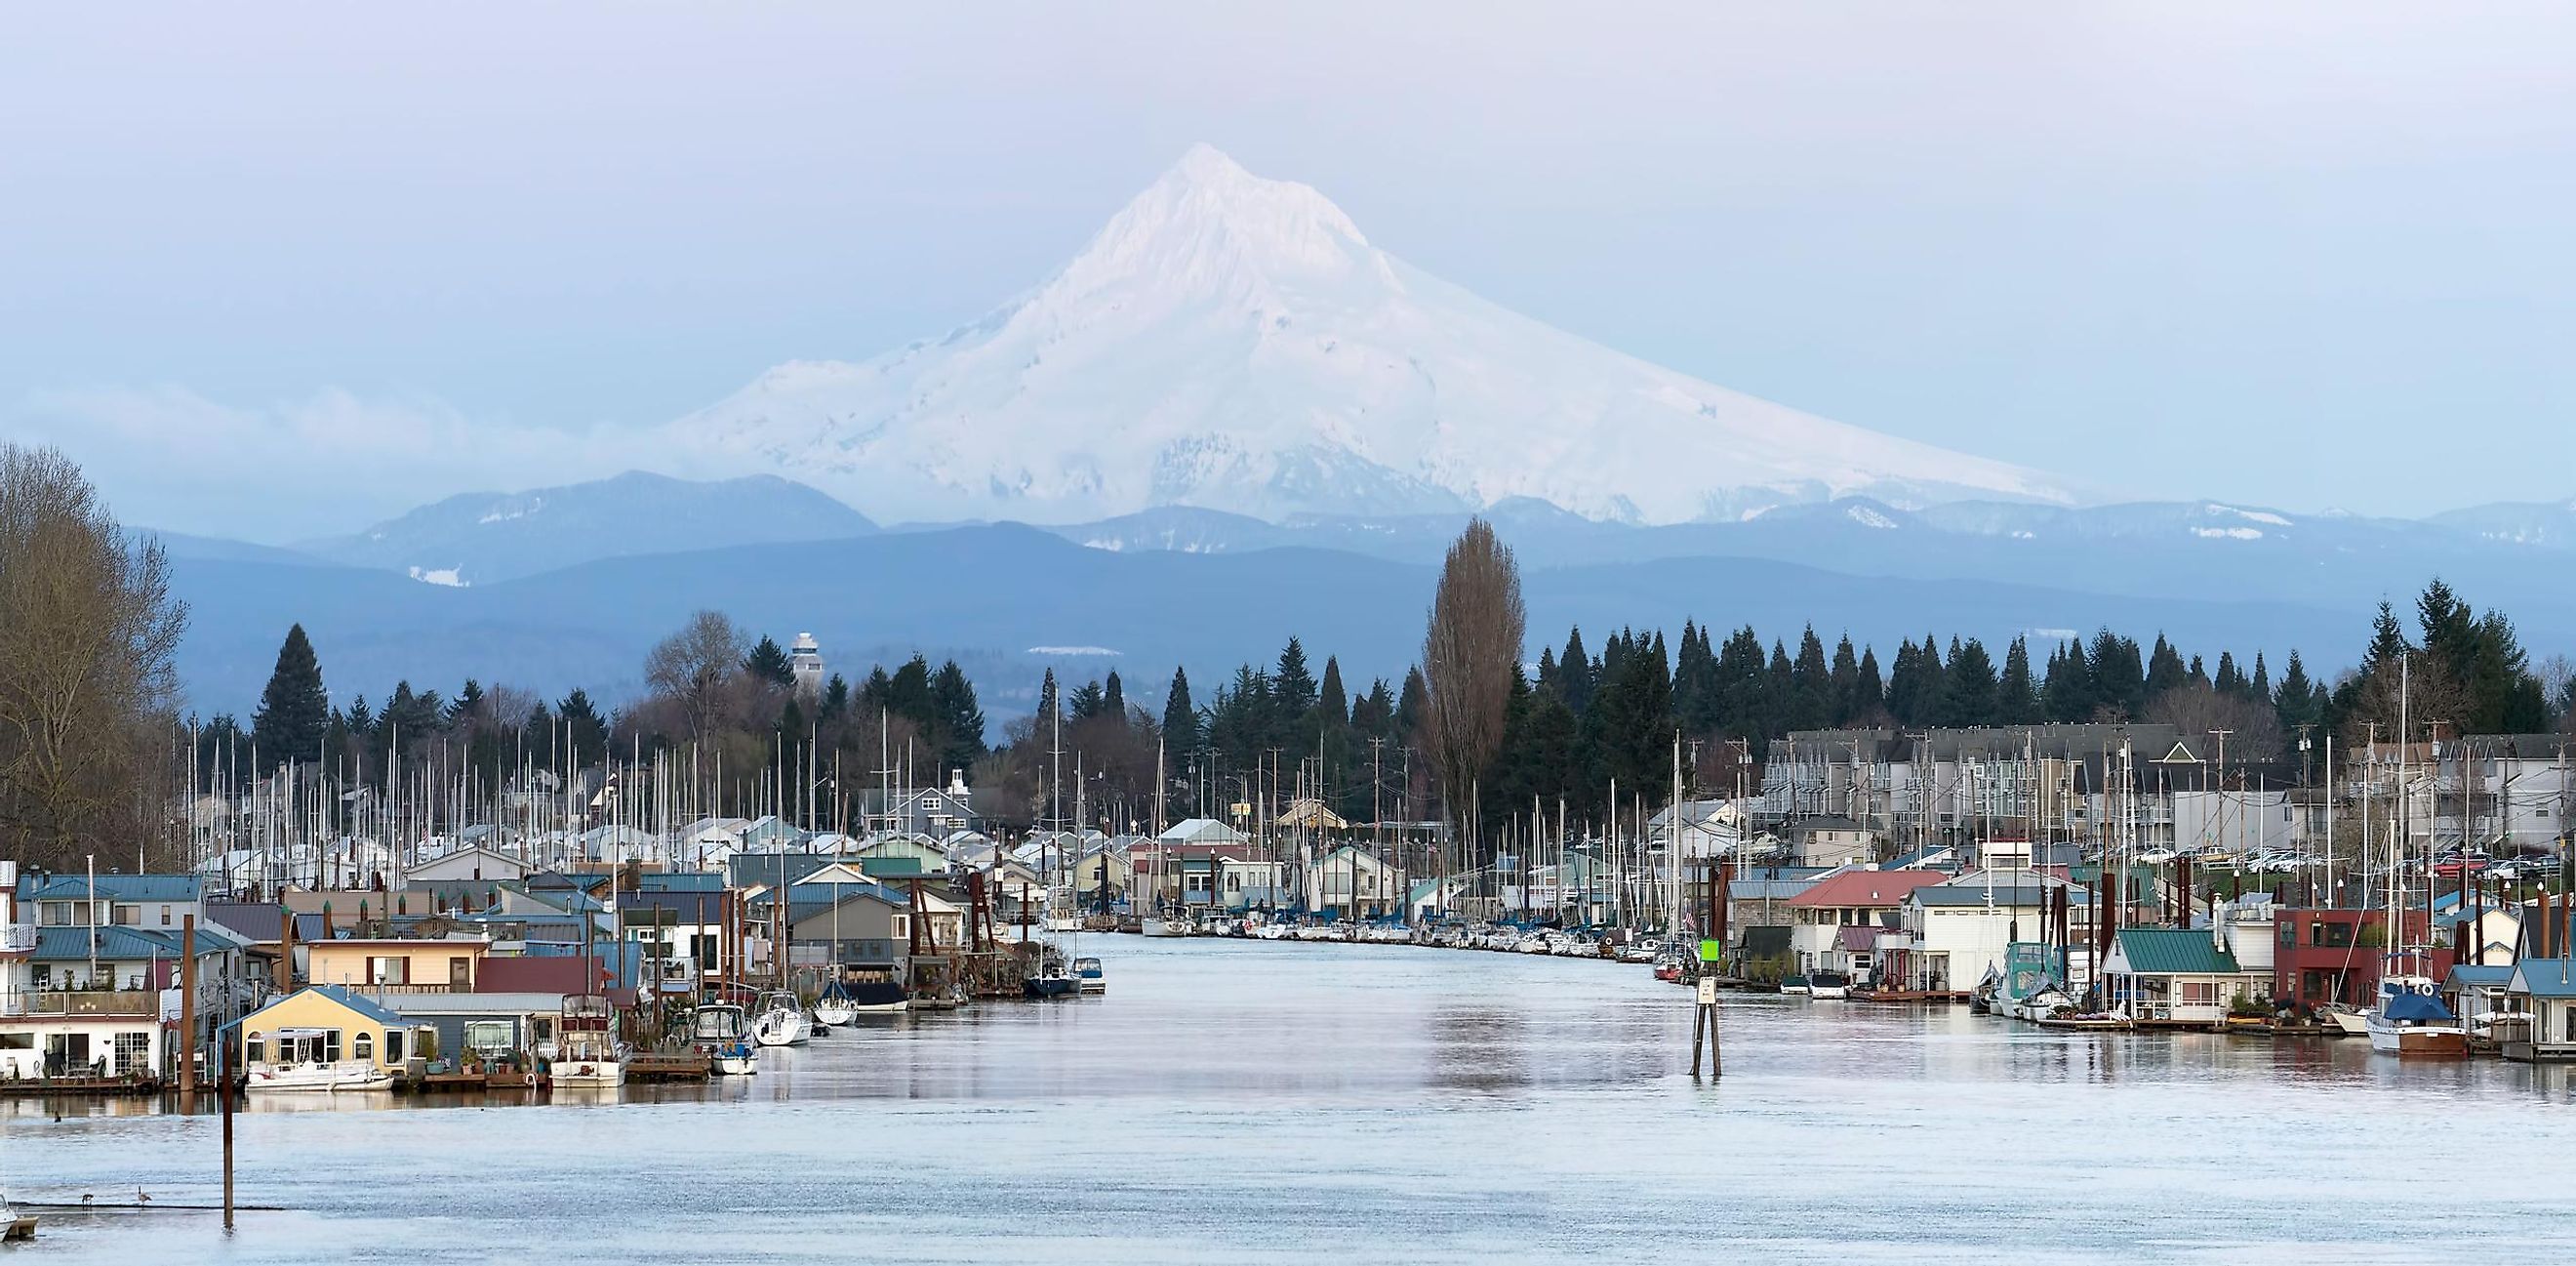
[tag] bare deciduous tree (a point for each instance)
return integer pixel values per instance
(1469, 652)
(2197, 709)
(88, 630)
(695, 671)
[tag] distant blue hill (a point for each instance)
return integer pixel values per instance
(482, 537)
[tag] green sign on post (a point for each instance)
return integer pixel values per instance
(1711, 951)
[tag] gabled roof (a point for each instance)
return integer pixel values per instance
(2544, 978)
(2175, 952)
(1865, 888)
(341, 994)
(2473, 974)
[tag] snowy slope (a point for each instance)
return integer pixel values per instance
(1234, 343)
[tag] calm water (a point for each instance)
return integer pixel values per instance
(1256, 1101)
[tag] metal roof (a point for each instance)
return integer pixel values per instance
(111, 887)
(2175, 952)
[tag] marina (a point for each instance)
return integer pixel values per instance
(1358, 1098)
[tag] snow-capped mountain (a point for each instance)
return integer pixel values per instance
(482, 537)
(1234, 343)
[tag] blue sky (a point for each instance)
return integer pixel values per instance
(2307, 256)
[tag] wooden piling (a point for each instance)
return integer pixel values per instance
(187, 1009)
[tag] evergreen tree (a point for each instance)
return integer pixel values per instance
(1811, 699)
(2165, 669)
(2261, 685)
(1870, 699)
(1409, 705)
(2017, 694)
(585, 736)
(466, 708)
(1574, 672)
(836, 697)
(294, 713)
(1331, 701)
(1971, 686)
(1180, 716)
(768, 662)
(1843, 684)
(960, 718)
(1292, 688)
(1087, 702)
(2295, 703)
(2069, 693)
(1113, 700)
(1047, 719)
(2119, 677)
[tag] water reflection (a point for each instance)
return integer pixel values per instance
(1285, 1101)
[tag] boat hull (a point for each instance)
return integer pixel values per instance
(1048, 986)
(589, 1072)
(310, 1080)
(2419, 1043)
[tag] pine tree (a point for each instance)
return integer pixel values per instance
(1113, 693)
(1331, 701)
(1180, 716)
(836, 697)
(1870, 699)
(294, 713)
(1088, 701)
(961, 718)
(1970, 685)
(1843, 684)
(1574, 671)
(1293, 687)
(2165, 670)
(585, 730)
(2069, 693)
(1409, 705)
(1811, 700)
(2017, 694)
(1047, 703)
(769, 663)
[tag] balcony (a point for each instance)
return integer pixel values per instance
(17, 938)
(49, 1003)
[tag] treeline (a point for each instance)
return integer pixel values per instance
(725, 702)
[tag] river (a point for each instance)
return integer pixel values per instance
(1280, 1101)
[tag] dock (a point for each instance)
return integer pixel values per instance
(666, 1066)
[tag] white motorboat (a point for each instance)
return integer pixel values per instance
(307, 1060)
(781, 1021)
(722, 1031)
(2411, 1020)
(587, 1052)
(1162, 925)
(1088, 976)
(1828, 984)
(1797, 986)
(347, 1074)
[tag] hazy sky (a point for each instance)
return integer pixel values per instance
(273, 271)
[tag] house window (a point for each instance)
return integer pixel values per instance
(388, 970)
(165, 916)
(393, 1046)
(363, 1046)
(128, 916)
(254, 1049)
(17, 1041)
(133, 1053)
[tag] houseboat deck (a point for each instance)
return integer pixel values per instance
(666, 1066)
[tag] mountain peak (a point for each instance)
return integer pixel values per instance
(1232, 341)
(1207, 221)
